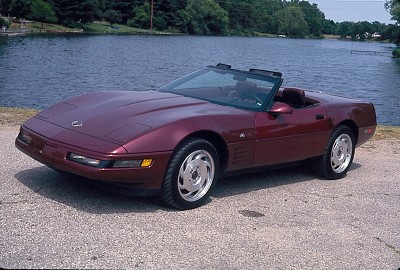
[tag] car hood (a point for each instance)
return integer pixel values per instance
(122, 116)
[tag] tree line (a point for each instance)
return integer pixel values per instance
(293, 18)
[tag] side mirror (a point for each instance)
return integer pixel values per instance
(280, 108)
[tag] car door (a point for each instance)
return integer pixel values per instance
(287, 137)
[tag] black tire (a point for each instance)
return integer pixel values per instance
(191, 175)
(338, 156)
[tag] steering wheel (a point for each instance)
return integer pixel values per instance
(253, 98)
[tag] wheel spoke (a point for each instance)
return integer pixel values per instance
(196, 175)
(191, 174)
(341, 153)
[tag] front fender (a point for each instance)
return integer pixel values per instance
(167, 137)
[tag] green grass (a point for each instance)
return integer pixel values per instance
(259, 34)
(103, 27)
(37, 26)
(387, 132)
(15, 116)
(396, 53)
(96, 27)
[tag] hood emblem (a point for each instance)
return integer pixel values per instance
(77, 123)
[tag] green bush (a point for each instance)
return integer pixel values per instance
(4, 22)
(396, 53)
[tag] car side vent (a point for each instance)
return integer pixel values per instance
(241, 156)
(220, 65)
(266, 72)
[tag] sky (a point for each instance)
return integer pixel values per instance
(354, 10)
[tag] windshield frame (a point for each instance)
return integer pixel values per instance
(273, 82)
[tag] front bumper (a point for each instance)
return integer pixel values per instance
(54, 154)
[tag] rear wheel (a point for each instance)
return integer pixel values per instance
(191, 175)
(339, 154)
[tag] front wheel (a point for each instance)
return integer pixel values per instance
(191, 175)
(339, 154)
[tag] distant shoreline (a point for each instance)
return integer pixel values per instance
(102, 28)
(159, 33)
(99, 28)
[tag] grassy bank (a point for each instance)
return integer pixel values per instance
(387, 132)
(97, 27)
(15, 116)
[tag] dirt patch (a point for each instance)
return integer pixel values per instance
(15, 116)
(387, 132)
(383, 148)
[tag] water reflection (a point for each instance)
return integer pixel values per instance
(37, 71)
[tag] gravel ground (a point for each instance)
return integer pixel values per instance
(279, 219)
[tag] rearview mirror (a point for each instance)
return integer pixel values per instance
(280, 108)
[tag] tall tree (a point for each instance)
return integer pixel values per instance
(314, 17)
(19, 8)
(141, 16)
(124, 7)
(266, 11)
(167, 13)
(70, 12)
(207, 18)
(242, 14)
(87, 10)
(393, 6)
(329, 27)
(112, 16)
(42, 12)
(345, 29)
(291, 21)
(393, 33)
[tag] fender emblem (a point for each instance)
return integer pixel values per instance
(77, 123)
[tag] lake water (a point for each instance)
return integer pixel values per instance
(38, 71)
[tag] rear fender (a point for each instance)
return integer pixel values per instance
(359, 117)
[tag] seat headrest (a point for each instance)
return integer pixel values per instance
(245, 87)
(294, 97)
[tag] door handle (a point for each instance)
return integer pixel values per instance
(319, 116)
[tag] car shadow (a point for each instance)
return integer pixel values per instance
(86, 195)
(105, 198)
(253, 181)
(248, 182)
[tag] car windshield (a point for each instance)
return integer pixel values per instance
(229, 87)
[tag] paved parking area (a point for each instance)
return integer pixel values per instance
(280, 219)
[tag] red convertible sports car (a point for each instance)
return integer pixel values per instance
(179, 138)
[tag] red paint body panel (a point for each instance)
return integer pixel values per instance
(291, 137)
(54, 154)
(115, 126)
